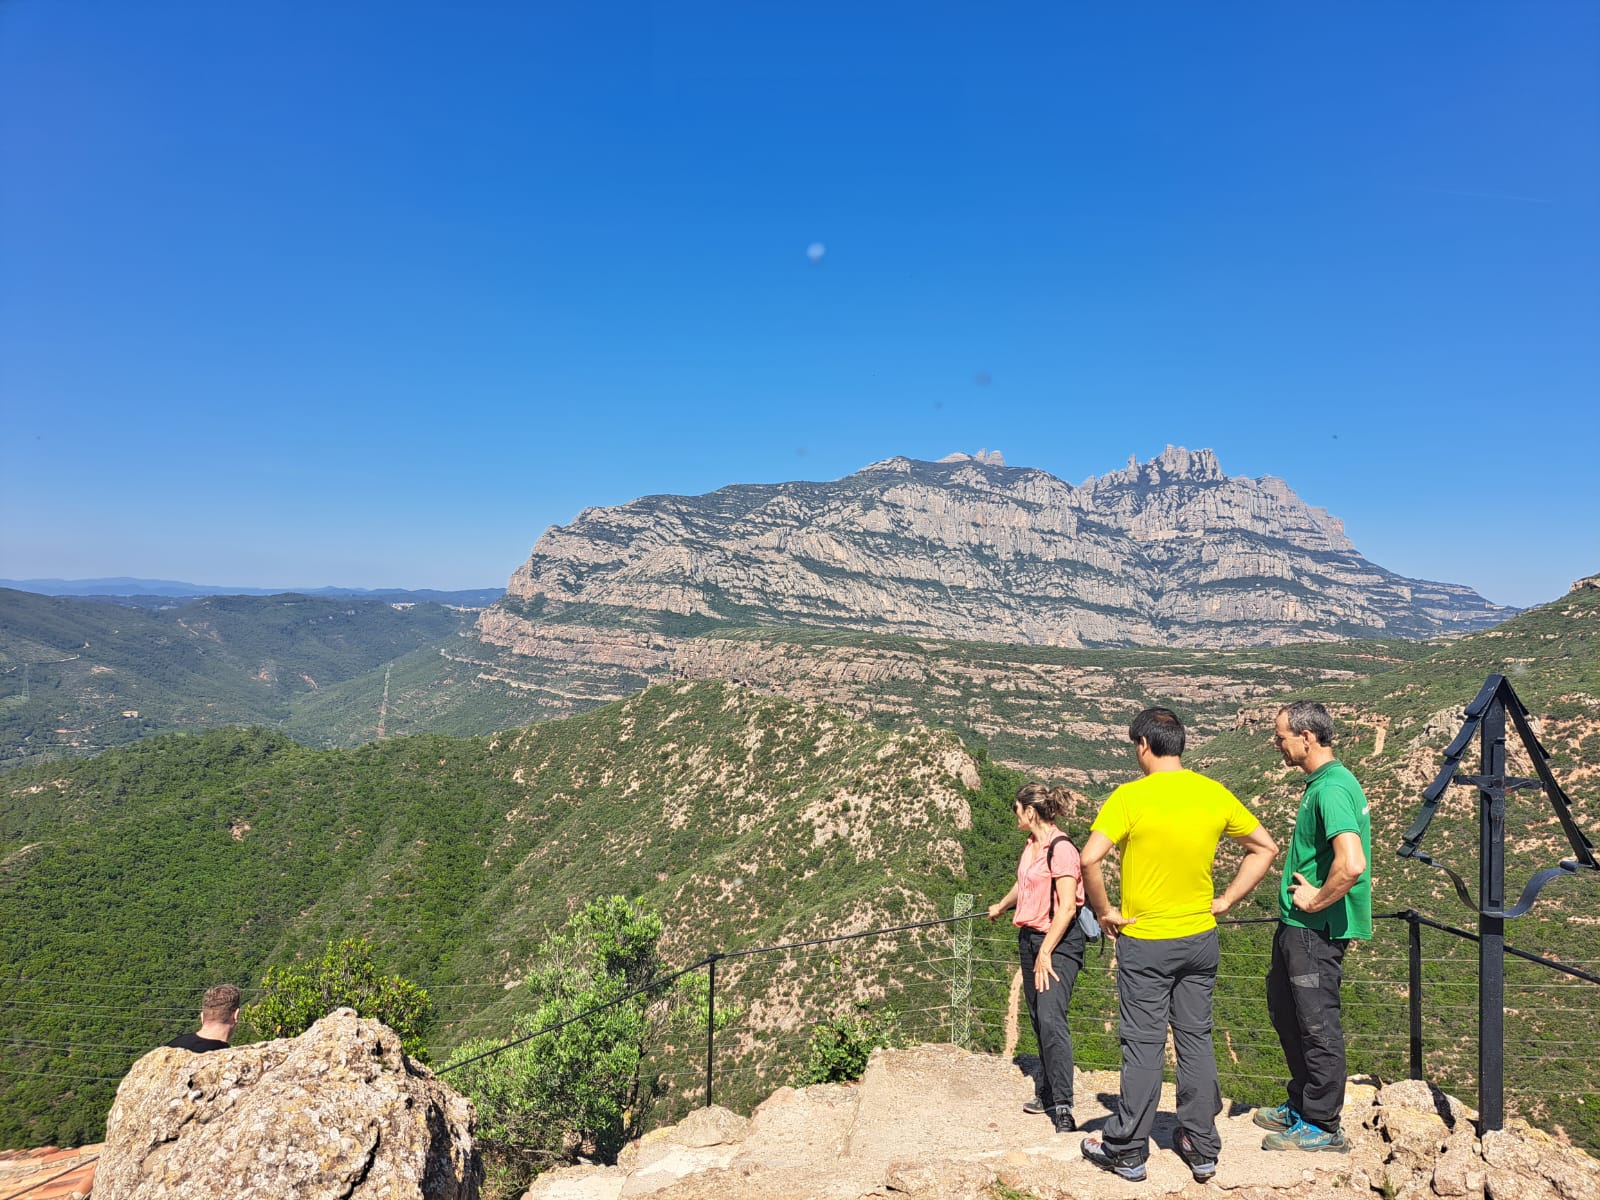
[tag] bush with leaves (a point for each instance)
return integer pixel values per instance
(296, 996)
(839, 1049)
(575, 1085)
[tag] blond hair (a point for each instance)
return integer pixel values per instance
(220, 1002)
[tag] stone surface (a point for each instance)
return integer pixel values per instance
(1460, 1170)
(1416, 1139)
(339, 1111)
(579, 1183)
(1505, 1184)
(939, 1181)
(1417, 1095)
(938, 1123)
(1522, 1150)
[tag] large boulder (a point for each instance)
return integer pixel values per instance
(339, 1111)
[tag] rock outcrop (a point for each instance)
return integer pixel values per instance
(1169, 552)
(339, 1111)
(938, 1123)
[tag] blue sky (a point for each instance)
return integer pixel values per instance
(370, 294)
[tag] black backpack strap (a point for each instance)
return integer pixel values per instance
(1049, 854)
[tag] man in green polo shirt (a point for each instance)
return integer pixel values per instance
(1325, 902)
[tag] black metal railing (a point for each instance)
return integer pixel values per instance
(994, 971)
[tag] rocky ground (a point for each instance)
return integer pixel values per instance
(939, 1123)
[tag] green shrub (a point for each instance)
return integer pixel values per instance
(295, 997)
(578, 1088)
(839, 1049)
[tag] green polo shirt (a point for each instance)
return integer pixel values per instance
(1333, 803)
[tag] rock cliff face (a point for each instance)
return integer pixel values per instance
(339, 1111)
(1170, 553)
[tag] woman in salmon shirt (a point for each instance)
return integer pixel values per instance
(1047, 896)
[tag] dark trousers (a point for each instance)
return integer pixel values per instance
(1162, 982)
(1303, 1002)
(1048, 1011)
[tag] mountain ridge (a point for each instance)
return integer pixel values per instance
(1169, 552)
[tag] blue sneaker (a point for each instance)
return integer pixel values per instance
(1123, 1166)
(1202, 1166)
(1301, 1136)
(1276, 1119)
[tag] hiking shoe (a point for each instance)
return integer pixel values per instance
(1301, 1136)
(1063, 1120)
(1123, 1166)
(1202, 1166)
(1033, 1107)
(1276, 1119)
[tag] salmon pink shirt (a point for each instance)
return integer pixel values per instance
(1034, 881)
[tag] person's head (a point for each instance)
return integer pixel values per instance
(1038, 804)
(1158, 733)
(220, 1007)
(1303, 734)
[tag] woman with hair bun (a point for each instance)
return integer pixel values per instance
(1047, 896)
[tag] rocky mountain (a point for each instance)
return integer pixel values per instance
(1171, 552)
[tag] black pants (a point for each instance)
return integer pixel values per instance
(1048, 1011)
(1303, 1002)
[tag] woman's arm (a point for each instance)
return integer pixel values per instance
(1066, 912)
(1010, 900)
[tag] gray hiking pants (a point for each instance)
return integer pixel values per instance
(1162, 982)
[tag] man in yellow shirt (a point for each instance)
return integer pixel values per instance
(1168, 824)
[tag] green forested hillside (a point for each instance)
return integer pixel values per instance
(744, 819)
(187, 859)
(78, 676)
(432, 690)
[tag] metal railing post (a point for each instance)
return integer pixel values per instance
(1414, 972)
(711, 1017)
(1492, 929)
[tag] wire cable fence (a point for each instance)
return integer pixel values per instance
(956, 979)
(1407, 999)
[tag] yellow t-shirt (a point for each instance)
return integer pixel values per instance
(1168, 825)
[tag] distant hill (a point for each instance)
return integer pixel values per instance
(153, 593)
(998, 601)
(78, 675)
(745, 819)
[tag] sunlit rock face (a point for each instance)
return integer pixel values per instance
(1171, 552)
(338, 1112)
